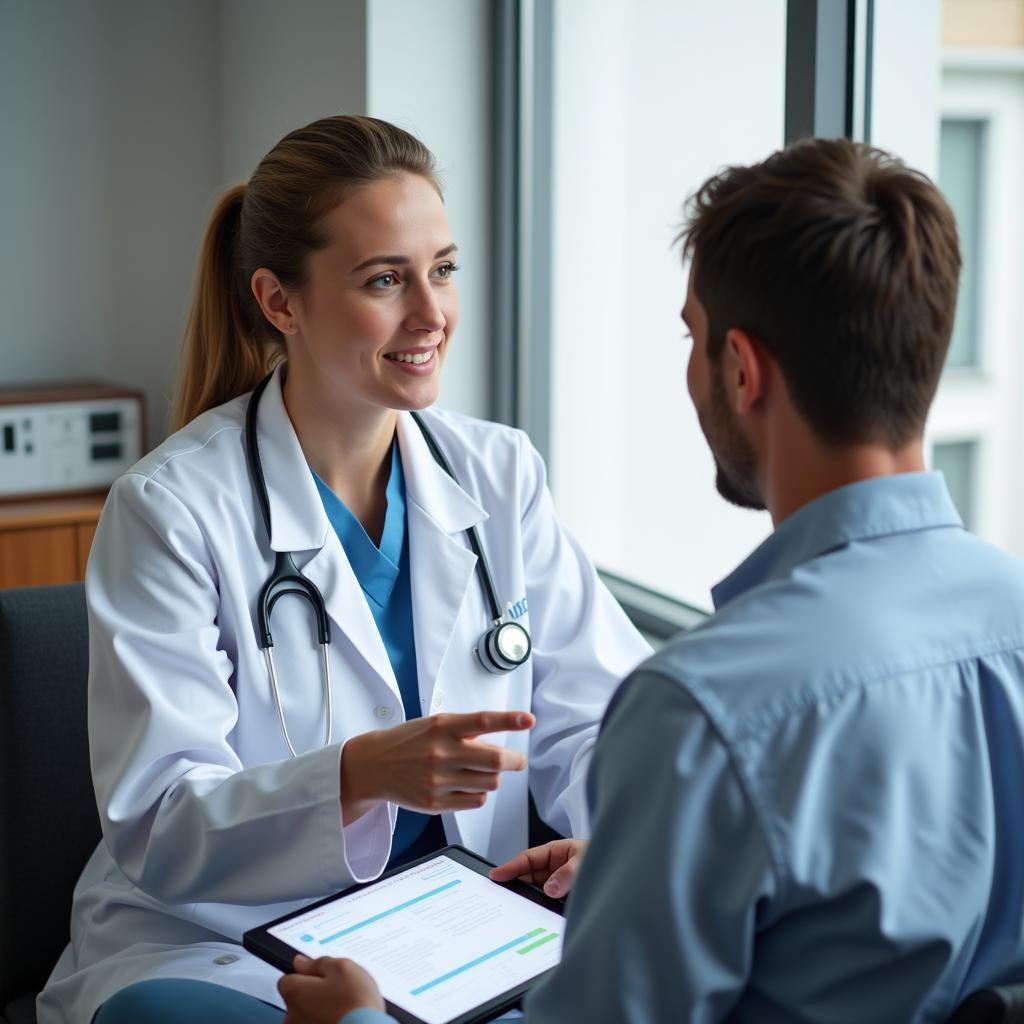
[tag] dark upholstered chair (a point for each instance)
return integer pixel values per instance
(48, 820)
(1002, 1004)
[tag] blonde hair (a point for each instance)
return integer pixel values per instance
(275, 221)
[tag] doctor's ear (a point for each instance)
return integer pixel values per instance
(275, 302)
(745, 370)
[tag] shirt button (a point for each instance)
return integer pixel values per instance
(383, 711)
(438, 700)
(223, 961)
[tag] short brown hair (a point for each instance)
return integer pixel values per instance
(844, 263)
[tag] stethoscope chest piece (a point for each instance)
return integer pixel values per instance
(504, 648)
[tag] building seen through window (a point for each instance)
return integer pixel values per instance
(644, 109)
(976, 425)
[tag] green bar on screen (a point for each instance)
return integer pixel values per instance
(539, 942)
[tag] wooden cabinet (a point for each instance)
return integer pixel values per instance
(46, 541)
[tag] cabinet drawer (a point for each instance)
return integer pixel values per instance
(33, 557)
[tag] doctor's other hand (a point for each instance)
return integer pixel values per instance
(429, 764)
(322, 991)
(553, 866)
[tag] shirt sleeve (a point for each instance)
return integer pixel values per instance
(583, 647)
(662, 918)
(366, 1016)
(184, 819)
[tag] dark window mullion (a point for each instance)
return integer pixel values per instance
(822, 72)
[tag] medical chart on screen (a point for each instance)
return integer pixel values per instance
(439, 939)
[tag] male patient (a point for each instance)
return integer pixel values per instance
(809, 808)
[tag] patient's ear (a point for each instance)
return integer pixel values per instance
(744, 364)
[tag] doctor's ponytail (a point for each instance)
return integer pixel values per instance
(220, 359)
(275, 221)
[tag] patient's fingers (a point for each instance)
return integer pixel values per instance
(304, 964)
(562, 880)
(523, 866)
(537, 864)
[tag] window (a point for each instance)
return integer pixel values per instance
(957, 460)
(642, 114)
(961, 154)
(977, 421)
(633, 106)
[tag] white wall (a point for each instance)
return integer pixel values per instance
(428, 71)
(110, 151)
(283, 65)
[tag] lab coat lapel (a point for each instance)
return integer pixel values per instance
(299, 524)
(441, 564)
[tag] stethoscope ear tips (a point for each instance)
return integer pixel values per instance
(504, 648)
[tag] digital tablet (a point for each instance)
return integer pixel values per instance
(444, 943)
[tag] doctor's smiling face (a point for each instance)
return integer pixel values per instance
(371, 325)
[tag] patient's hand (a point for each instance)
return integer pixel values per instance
(322, 991)
(553, 865)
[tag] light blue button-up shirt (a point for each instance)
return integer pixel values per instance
(811, 807)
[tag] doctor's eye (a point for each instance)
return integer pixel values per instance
(384, 281)
(446, 270)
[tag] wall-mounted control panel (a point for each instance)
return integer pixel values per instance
(58, 439)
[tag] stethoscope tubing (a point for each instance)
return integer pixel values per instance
(287, 579)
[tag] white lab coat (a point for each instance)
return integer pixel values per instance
(209, 827)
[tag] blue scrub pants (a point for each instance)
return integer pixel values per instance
(173, 1000)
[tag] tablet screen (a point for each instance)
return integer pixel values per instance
(439, 938)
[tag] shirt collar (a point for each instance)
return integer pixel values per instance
(393, 535)
(877, 507)
(298, 521)
(429, 487)
(297, 516)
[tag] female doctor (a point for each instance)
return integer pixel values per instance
(309, 604)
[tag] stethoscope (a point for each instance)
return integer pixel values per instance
(503, 648)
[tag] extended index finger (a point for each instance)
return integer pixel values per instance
(479, 723)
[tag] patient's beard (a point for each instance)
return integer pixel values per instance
(735, 459)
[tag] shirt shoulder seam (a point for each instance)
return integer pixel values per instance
(168, 459)
(836, 687)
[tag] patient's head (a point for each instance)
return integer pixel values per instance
(842, 264)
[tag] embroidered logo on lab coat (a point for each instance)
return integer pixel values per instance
(516, 610)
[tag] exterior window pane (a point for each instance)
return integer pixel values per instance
(957, 461)
(644, 110)
(961, 158)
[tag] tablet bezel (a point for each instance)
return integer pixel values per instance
(279, 954)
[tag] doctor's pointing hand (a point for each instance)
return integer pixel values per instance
(430, 764)
(332, 627)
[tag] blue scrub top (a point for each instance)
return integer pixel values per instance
(383, 573)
